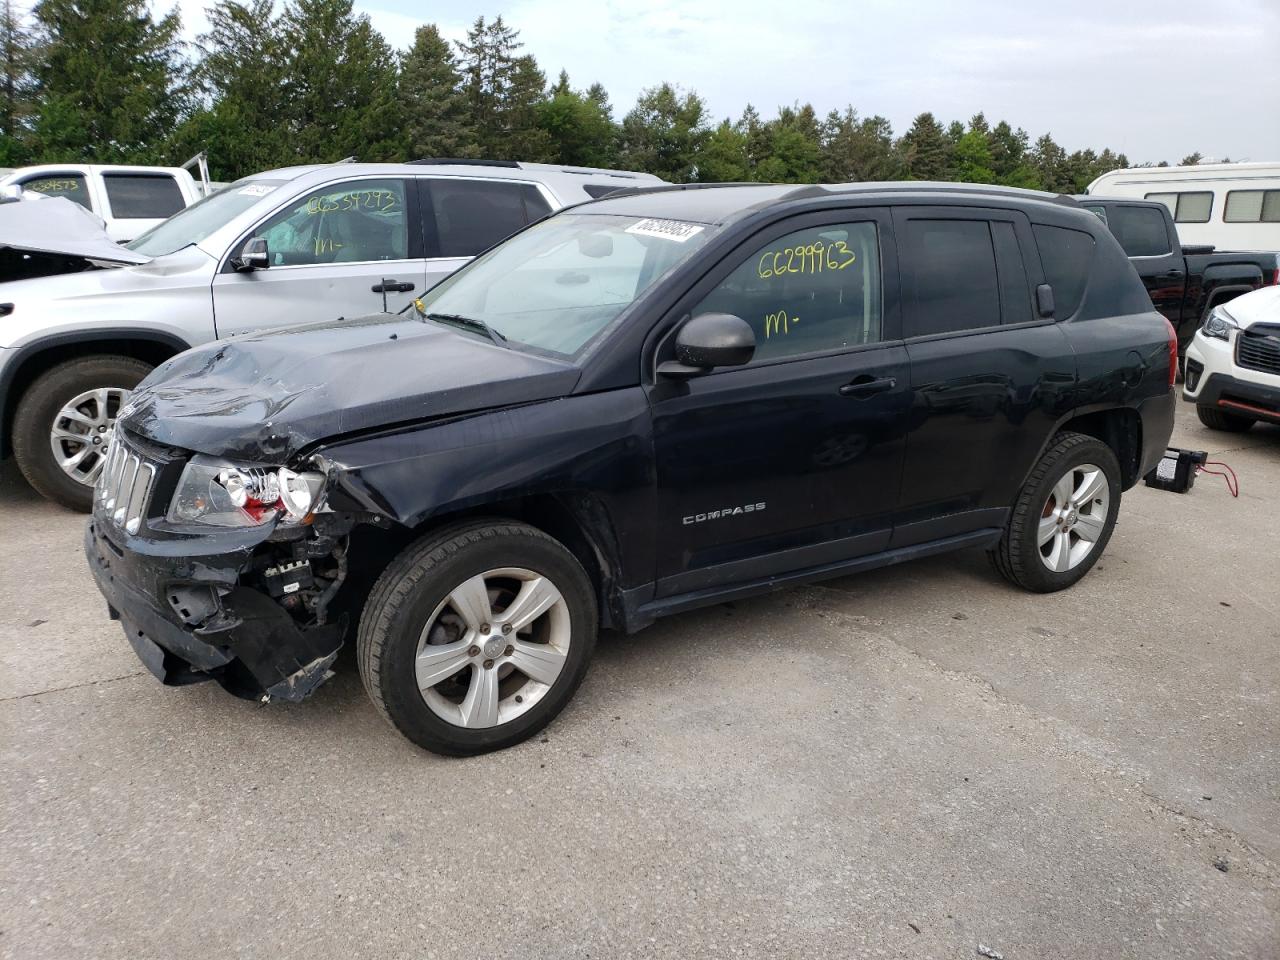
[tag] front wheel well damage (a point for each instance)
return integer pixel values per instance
(1119, 429)
(373, 547)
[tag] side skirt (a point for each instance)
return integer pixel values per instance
(639, 611)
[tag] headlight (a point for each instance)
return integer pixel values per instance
(236, 495)
(1218, 324)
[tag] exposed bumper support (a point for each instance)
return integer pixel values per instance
(249, 644)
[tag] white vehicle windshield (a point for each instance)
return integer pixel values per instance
(202, 218)
(559, 283)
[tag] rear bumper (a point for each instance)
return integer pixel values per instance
(1157, 427)
(192, 622)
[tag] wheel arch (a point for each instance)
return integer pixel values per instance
(33, 359)
(1120, 428)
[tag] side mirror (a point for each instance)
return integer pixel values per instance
(710, 340)
(1044, 301)
(253, 256)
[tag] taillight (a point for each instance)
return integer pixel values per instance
(1173, 353)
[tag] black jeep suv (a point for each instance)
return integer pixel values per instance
(634, 407)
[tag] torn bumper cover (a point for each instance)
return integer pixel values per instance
(190, 622)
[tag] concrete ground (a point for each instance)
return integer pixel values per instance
(907, 763)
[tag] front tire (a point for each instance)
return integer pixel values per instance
(1063, 517)
(476, 636)
(1215, 419)
(63, 422)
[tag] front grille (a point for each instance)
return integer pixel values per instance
(124, 486)
(1259, 349)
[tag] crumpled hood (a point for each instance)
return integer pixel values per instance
(58, 225)
(262, 398)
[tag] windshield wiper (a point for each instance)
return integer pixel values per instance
(469, 323)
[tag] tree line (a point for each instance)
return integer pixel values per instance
(312, 81)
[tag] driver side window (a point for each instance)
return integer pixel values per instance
(810, 291)
(342, 223)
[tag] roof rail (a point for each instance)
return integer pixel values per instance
(459, 161)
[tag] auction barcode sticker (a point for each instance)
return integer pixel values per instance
(256, 190)
(666, 229)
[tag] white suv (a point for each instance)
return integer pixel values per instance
(1233, 363)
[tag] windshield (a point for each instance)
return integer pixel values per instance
(202, 218)
(562, 281)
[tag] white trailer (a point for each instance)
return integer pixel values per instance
(1234, 206)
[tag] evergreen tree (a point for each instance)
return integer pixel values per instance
(241, 75)
(437, 119)
(925, 150)
(111, 81)
(972, 161)
(1009, 157)
(522, 137)
(340, 86)
(580, 130)
(795, 148)
(664, 132)
(1190, 161)
(857, 150)
(16, 85)
(723, 156)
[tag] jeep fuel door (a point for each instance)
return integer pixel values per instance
(792, 460)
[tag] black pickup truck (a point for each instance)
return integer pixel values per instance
(632, 408)
(1184, 282)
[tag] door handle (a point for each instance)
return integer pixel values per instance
(867, 386)
(392, 286)
(1172, 274)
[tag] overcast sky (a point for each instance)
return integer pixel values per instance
(1154, 79)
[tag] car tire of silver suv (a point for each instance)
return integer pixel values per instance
(62, 425)
(475, 637)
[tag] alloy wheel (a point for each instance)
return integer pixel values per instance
(493, 647)
(1073, 518)
(81, 432)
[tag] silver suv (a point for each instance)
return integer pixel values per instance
(282, 247)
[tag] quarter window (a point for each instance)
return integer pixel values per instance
(1140, 230)
(473, 215)
(1066, 256)
(350, 222)
(810, 291)
(1253, 206)
(69, 185)
(950, 280)
(142, 196)
(1190, 207)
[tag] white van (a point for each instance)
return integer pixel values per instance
(130, 199)
(1234, 206)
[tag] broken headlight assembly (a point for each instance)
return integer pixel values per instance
(224, 494)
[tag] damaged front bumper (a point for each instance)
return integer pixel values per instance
(190, 616)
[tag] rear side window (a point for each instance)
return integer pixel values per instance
(1253, 206)
(473, 215)
(1140, 230)
(950, 278)
(1066, 256)
(68, 185)
(1189, 207)
(1015, 296)
(142, 196)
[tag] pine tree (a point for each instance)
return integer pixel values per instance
(795, 148)
(664, 132)
(487, 62)
(925, 149)
(857, 149)
(580, 130)
(1191, 160)
(111, 81)
(521, 136)
(16, 86)
(437, 118)
(723, 157)
(340, 88)
(241, 76)
(1050, 162)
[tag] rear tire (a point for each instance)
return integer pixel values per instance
(1078, 525)
(1215, 419)
(40, 413)
(433, 652)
